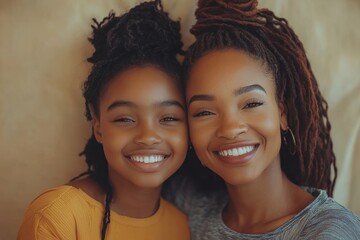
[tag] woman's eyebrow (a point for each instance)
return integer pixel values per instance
(239, 91)
(249, 88)
(201, 97)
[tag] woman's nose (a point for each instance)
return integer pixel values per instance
(231, 127)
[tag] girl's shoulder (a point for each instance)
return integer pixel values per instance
(54, 213)
(61, 199)
(89, 187)
(66, 201)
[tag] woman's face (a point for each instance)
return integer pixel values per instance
(142, 126)
(234, 118)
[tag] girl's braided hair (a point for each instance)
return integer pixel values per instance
(239, 24)
(143, 36)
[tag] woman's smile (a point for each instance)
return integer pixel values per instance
(237, 155)
(234, 117)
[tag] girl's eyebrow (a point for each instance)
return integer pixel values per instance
(166, 103)
(121, 104)
(170, 103)
(249, 88)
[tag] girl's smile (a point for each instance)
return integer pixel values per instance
(148, 160)
(142, 126)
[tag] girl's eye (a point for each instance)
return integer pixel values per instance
(169, 119)
(124, 120)
(253, 105)
(203, 114)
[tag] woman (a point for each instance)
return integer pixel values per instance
(259, 122)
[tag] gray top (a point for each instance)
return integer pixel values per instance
(322, 219)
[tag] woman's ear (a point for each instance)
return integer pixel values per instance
(283, 117)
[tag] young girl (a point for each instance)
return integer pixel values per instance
(135, 103)
(258, 121)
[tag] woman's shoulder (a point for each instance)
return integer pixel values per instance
(170, 207)
(331, 220)
(184, 194)
(331, 210)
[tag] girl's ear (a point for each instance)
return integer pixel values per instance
(96, 126)
(283, 117)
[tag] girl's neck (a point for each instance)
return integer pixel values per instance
(127, 200)
(134, 201)
(264, 204)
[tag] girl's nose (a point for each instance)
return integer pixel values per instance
(147, 135)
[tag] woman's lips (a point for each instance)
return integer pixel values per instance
(238, 154)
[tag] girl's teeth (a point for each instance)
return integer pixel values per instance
(236, 151)
(147, 159)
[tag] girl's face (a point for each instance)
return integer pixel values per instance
(142, 126)
(234, 118)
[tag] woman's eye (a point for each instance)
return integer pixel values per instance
(253, 105)
(202, 114)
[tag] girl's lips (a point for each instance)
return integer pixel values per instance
(148, 167)
(147, 158)
(237, 155)
(147, 161)
(146, 152)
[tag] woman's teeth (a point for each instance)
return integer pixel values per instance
(236, 151)
(148, 159)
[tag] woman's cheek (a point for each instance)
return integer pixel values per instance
(199, 137)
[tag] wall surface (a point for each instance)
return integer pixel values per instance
(43, 51)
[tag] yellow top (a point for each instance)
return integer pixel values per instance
(69, 213)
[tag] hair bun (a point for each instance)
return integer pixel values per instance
(222, 13)
(145, 29)
(241, 5)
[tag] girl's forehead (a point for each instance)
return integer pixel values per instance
(142, 85)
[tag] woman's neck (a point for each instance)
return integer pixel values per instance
(264, 204)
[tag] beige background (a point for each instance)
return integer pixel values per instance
(43, 51)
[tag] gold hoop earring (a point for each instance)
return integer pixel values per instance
(285, 136)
